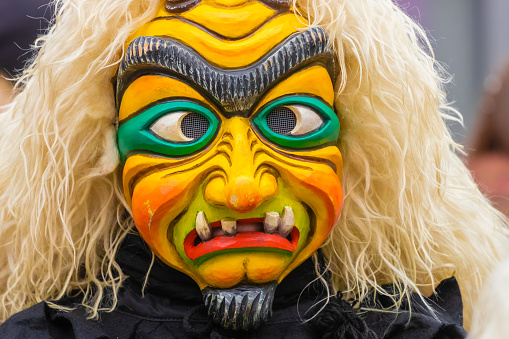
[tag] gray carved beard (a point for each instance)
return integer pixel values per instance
(241, 308)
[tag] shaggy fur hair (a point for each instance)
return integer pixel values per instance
(412, 213)
(491, 313)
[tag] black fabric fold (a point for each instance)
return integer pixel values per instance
(443, 320)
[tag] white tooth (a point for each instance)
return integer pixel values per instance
(287, 222)
(271, 222)
(203, 227)
(229, 227)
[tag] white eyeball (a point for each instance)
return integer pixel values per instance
(180, 126)
(295, 120)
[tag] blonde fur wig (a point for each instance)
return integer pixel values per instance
(491, 313)
(411, 214)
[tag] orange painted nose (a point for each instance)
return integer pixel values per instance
(242, 188)
(242, 194)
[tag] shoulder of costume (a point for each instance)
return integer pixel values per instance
(437, 316)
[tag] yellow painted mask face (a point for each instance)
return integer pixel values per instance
(227, 135)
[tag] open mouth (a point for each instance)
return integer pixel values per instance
(271, 232)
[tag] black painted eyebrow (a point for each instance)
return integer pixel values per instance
(235, 90)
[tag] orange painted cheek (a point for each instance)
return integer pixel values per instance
(329, 195)
(321, 190)
(150, 194)
(329, 186)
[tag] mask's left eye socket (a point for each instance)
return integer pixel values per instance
(295, 120)
(174, 129)
(181, 126)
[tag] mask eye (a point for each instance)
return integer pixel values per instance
(173, 129)
(296, 120)
(180, 127)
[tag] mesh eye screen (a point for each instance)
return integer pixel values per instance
(281, 120)
(200, 124)
(276, 120)
(194, 125)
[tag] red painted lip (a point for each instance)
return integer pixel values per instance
(241, 240)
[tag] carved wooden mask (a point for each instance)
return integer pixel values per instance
(227, 134)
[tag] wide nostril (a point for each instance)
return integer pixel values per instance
(268, 186)
(215, 192)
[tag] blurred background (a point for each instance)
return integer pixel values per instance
(21, 21)
(471, 37)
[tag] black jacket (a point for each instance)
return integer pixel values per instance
(172, 307)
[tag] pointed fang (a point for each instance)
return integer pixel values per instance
(229, 227)
(203, 227)
(270, 222)
(287, 222)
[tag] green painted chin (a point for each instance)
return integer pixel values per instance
(249, 227)
(247, 250)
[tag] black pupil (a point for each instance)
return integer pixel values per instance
(281, 120)
(194, 125)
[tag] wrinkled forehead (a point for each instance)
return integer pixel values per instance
(232, 50)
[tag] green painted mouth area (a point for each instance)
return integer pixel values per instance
(214, 213)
